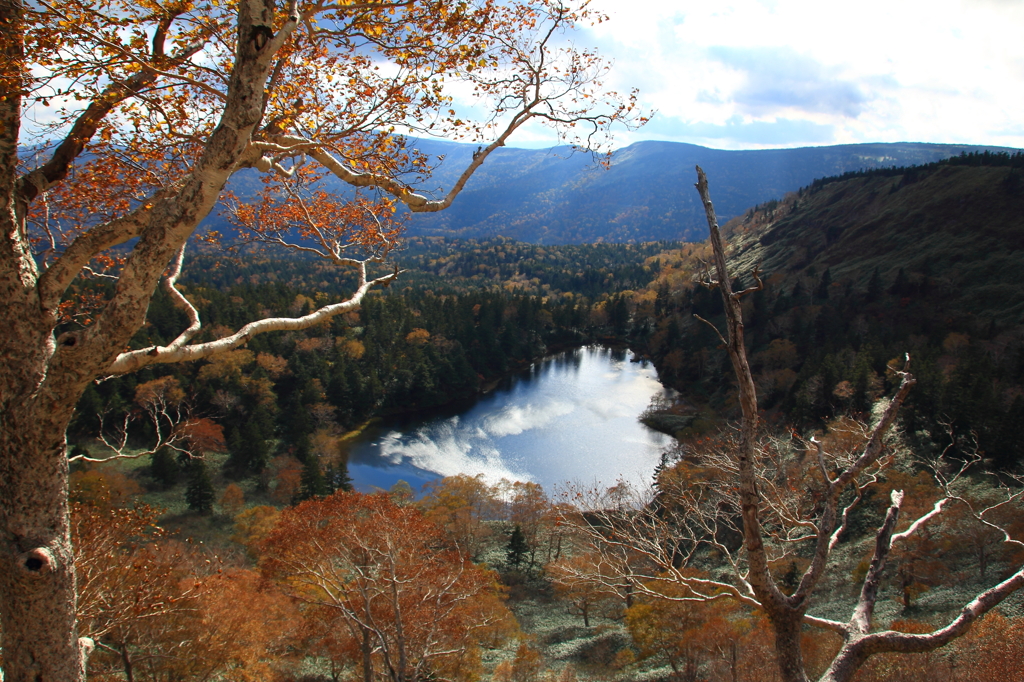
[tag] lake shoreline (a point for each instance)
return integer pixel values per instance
(568, 415)
(492, 383)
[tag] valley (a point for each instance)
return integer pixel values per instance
(515, 341)
(856, 272)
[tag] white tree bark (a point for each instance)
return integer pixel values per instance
(787, 614)
(42, 376)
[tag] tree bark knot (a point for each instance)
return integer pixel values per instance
(37, 561)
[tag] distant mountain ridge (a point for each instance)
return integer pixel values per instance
(550, 196)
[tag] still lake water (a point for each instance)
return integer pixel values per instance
(569, 418)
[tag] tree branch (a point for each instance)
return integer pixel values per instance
(134, 360)
(861, 620)
(62, 272)
(181, 302)
(52, 172)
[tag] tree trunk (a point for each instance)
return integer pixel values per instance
(37, 571)
(788, 647)
(126, 659)
(41, 379)
(367, 657)
(846, 663)
(786, 620)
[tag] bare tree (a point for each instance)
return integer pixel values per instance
(772, 511)
(141, 113)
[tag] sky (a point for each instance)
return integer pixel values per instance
(753, 74)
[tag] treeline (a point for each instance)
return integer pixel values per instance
(584, 269)
(912, 173)
(450, 265)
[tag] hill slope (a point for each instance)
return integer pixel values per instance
(857, 273)
(959, 228)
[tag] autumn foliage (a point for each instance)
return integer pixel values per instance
(121, 125)
(385, 588)
(159, 608)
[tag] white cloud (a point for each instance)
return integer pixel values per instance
(749, 73)
(514, 419)
(449, 448)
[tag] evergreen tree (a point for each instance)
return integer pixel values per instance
(861, 401)
(304, 449)
(661, 302)
(164, 467)
(295, 419)
(250, 453)
(874, 287)
(901, 285)
(618, 314)
(313, 482)
(337, 478)
(798, 295)
(517, 548)
(1009, 446)
(200, 493)
(235, 465)
(821, 293)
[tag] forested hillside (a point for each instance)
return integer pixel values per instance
(857, 271)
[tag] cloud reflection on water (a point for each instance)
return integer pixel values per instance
(449, 447)
(574, 417)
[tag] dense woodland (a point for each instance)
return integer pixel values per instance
(408, 348)
(858, 272)
(272, 418)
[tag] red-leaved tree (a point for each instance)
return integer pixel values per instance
(385, 587)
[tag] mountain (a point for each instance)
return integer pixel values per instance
(552, 196)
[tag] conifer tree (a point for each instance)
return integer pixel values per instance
(164, 467)
(517, 548)
(874, 286)
(199, 494)
(821, 293)
(314, 484)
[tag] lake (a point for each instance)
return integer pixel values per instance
(571, 417)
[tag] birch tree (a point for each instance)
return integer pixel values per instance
(774, 513)
(121, 124)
